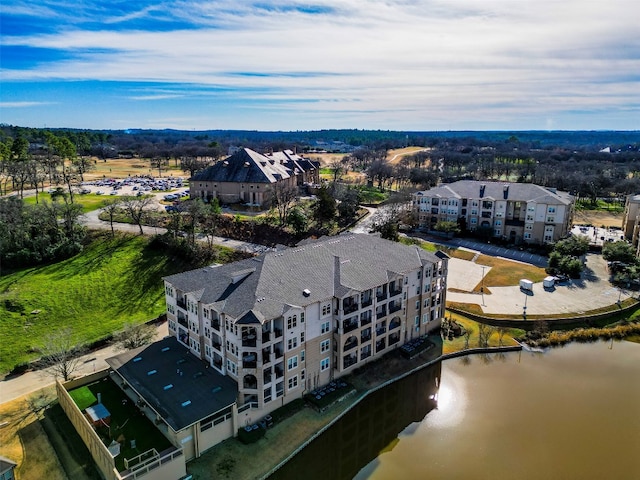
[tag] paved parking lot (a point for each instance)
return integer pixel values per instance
(597, 235)
(590, 292)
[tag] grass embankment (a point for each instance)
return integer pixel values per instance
(496, 339)
(112, 282)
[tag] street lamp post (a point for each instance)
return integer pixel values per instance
(524, 309)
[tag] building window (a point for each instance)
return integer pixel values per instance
(302, 356)
(325, 327)
(292, 343)
(301, 338)
(425, 318)
(325, 345)
(418, 304)
(292, 322)
(293, 382)
(324, 364)
(302, 317)
(326, 309)
(292, 362)
(302, 375)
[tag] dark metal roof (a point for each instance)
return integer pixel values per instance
(244, 166)
(181, 388)
(303, 275)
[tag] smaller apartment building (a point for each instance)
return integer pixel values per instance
(631, 222)
(516, 212)
(290, 321)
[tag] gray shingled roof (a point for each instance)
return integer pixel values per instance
(326, 267)
(205, 390)
(523, 192)
(244, 166)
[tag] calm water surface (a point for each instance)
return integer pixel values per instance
(571, 413)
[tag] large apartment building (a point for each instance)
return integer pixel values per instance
(516, 212)
(289, 321)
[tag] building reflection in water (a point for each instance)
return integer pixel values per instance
(369, 428)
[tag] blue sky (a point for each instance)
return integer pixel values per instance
(287, 65)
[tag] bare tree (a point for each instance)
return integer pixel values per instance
(282, 197)
(134, 336)
(111, 206)
(161, 163)
(61, 355)
(136, 208)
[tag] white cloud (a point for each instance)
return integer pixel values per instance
(24, 104)
(438, 57)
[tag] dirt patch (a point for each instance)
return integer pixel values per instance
(598, 218)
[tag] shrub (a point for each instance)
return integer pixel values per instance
(250, 434)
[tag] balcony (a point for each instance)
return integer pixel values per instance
(365, 319)
(216, 344)
(367, 301)
(217, 362)
(394, 338)
(382, 312)
(350, 325)
(249, 340)
(182, 320)
(266, 355)
(349, 308)
(250, 382)
(349, 360)
(279, 371)
(395, 290)
(277, 332)
(395, 306)
(266, 337)
(277, 352)
(182, 304)
(365, 353)
(250, 360)
(266, 376)
(215, 324)
(380, 345)
(350, 344)
(365, 336)
(395, 323)
(380, 296)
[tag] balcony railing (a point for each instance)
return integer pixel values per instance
(182, 320)
(279, 372)
(394, 307)
(367, 302)
(365, 338)
(365, 320)
(266, 355)
(349, 308)
(182, 304)
(266, 336)
(217, 345)
(381, 313)
(278, 353)
(350, 326)
(395, 291)
(249, 341)
(217, 363)
(350, 345)
(381, 296)
(215, 324)
(365, 354)
(350, 360)
(277, 332)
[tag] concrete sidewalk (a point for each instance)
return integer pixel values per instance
(17, 386)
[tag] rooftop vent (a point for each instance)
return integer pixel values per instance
(246, 164)
(186, 404)
(168, 387)
(482, 188)
(306, 292)
(216, 389)
(225, 163)
(152, 372)
(165, 349)
(137, 359)
(197, 374)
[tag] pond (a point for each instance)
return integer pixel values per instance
(572, 412)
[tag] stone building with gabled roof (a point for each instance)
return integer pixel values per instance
(288, 322)
(516, 212)
(249, 177)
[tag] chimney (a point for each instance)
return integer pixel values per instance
(482, 187)
(505, 191)
(99, 397)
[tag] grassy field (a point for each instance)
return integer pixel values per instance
(112, 282)
(89, 202)
(505, 273)
(458, 343)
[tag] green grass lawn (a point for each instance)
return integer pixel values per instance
(112, 282)
(126, 424)
(83, 397)
(89, 202)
